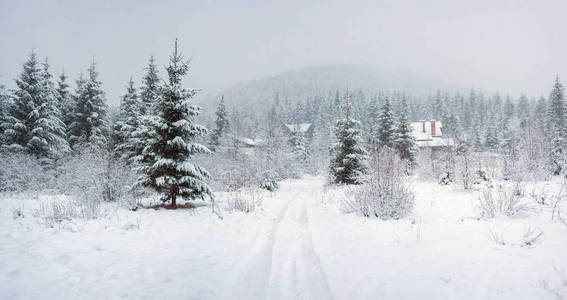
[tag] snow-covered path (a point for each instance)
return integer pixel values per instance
(299, 246)
(283, 264)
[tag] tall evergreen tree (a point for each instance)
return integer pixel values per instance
(65, 101)
(172, 171)
(57, 128)
(89, 123)
(405, 141)
(556, 124)
(5, 104)
(557, 109)
(348, 155)
(373, 113)
(386, 130)
(128, 121)
(301, 150)
(222, 125)
(149, 90)
(32, 123)
(144, 134)
(492, 142)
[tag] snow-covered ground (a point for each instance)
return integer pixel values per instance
(299, 245)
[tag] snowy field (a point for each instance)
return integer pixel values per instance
(297, 245)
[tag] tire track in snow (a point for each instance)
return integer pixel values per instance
(254, 279)
(297, 272)
(283, 264)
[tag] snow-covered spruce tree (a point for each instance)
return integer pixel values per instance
(128, 121)
(65, 101)
(386, 130)
(59, 145)
(405, 141)
(222, 125)
(478, 144)
(144, 136)
(556, 126)
(149, 91)
(372, 114)
(89, 123)
(5, 103)
(347, 162)
(557, 153)
(172, 171)
(301, 151)
(32, 123)
(557, 110)
(492, 142)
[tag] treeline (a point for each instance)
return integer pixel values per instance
(50, 132)
(154, 133)
(520, 129)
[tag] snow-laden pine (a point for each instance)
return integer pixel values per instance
(128, 121)
(32, 123)
(171, 169)
(222, 125)
(556, 123)
(404, 142)
(65, 101)
(386, 129)
(89, 123)
(347, 163)
(149, 90)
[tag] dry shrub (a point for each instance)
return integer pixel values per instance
(56, 211)
(385, 193)
(245, 200)
(505, 199)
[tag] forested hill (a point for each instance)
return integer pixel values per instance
(322, 80)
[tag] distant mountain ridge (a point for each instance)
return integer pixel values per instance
(320, 80)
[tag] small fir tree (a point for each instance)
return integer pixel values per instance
(347, 164)
(222, 125)
(89, 123)
(128, 121)
(65, 101)
(149, 90)
(386, 130)
(557, 110)
(5, 104)
(405, 141)
(373, 112)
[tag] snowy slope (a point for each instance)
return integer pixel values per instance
(299, 246)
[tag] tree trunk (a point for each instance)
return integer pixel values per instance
(173, 197)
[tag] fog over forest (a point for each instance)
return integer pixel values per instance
(507, 46)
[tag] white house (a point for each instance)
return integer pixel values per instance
(429, 134)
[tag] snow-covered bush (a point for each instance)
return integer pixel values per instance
(57, 210)
(20, 172)
(93, 175)
(505, 199)
(269, 183)
(464, 168)
(245, 200)
(385, 192)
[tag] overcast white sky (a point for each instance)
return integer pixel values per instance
(507, 46)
